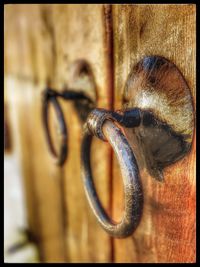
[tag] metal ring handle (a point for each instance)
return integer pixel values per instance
(132, 187)
(49, 96)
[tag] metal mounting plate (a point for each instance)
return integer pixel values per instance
(157, 87)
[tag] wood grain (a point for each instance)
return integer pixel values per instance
(27, 71)
(41, 44)
(77, 37)
(167, 229)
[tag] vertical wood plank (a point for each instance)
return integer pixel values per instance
(28, 61)
(167, 229)
(43, 41)
(81, 33)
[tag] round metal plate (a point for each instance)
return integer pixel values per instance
(157, 87)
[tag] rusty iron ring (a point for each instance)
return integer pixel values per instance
(100, 123)
(50, 96)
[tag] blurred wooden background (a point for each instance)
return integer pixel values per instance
(41, 42)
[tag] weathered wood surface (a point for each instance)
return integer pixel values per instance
(41, 44)
(167, 229)
(77, 36)
(27, 68)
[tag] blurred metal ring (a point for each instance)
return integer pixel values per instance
(47, 99)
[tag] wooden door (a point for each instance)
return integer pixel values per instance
(167, 229)
(42, 42)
